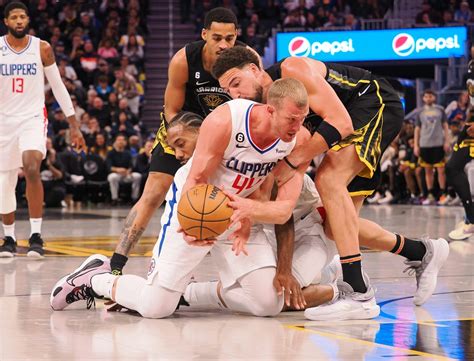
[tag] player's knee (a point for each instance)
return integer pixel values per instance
(32, 172)
(325, 183)
(156, 309)
(267, 306)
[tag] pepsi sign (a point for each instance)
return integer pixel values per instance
(374, 45)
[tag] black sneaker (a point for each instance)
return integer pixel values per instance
(36, 246)
(8, 248)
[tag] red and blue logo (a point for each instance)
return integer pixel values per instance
(299, 46)
(403, 44)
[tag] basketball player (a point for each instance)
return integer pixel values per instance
(238, 146)
(463, 153)
(356, 115)
(24, 62)
(192, 88)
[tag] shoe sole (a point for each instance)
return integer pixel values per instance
(442, 256)
(35, 255)
(73, 275)
(358, 314)
(7, 255)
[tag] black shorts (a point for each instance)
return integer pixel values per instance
(432, 157)
(163, 159)
(377, 117)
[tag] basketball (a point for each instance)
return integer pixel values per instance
(203, 211)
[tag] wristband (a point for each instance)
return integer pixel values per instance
(289, 164)
(117, 262)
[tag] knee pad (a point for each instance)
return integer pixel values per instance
(8, 181)
(267, 305)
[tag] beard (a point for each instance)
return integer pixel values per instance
(18, 34)
(258, 96)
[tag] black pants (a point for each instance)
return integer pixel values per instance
(457, 178)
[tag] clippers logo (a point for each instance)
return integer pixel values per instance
(299, 46)
(403, 44)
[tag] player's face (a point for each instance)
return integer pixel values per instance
(17, 23)
(287, 119)
(243, 83)
(219, 36)
(183, 141)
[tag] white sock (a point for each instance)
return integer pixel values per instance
(103, 283)
(203, 294)
(9, 230)
(35, 224)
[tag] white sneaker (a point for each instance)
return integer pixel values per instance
(462, 231)
(387, 199)
(374, 199)
(444, 200)
(348, 305)
(455, 202)
(426, 270)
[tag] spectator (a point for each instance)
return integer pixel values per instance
(123, 107)
(100, 147)
(112, 105)
(251, 39)
(127, 67)
(78, 109)
(60, 127)
(432, 143)
(103, 88)
(456, 111)
(107, 50)
(351, 22)
(119, 162)
(52, 178)
(142, 164)
(88, 63)
(103, 68)
(66, 70)
(294, 19)
(126, 87)
(72, 161)
(68, 19)
(134, 145)
(133, 50)
(448, 18)
(463, 14)
(87, 23)
(426, 14)
(122, 126)
(84, 123)
(100, 112)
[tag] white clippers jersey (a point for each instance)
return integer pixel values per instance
(21, 79)
(244, 165)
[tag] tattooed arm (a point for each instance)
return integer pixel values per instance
(131, 233)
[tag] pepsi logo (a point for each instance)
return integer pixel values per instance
(403, 44)
(299, 46)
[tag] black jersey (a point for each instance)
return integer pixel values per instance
(347, 81)
(203, 92)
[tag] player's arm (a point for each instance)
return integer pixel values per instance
(323, 100)
(176, 87)
(60, 92)
(213, 139)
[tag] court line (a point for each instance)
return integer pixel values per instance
(367, 343)
(386, 315)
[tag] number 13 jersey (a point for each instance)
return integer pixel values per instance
(21, 79)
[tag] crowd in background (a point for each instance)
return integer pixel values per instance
(99, 48)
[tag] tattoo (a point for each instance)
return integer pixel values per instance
(130, 234)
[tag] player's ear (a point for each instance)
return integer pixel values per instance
(204, 34)
(270, 109)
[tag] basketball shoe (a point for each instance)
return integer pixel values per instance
(462, 231)
(76, 286)
(426, 270)
(347, 304)
(36, 246)
(8, 248)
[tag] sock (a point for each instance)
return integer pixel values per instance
(35, 224)
(9, 230)
(103, 283)
(409, 248)
(203, 294)
(352, 272)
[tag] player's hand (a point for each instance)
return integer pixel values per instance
(240, 236)
(242, 207)
(193, 241)
(416, 150)
(287, 285)
(447, 147)
(77, 139)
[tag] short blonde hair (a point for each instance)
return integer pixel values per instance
(287, 88)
